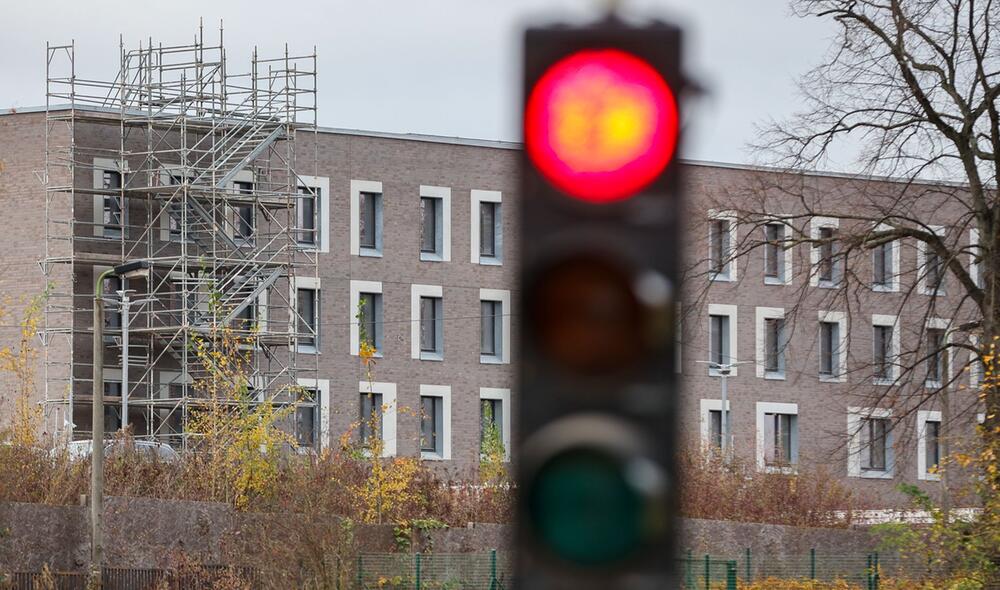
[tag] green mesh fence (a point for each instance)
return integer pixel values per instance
(434, 571)
(707, 573)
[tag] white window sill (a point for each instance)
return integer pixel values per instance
(431, 257)
(377, 354)
(490, 360)
(877, 288)
(431, 356)
(305, 247)
(882, 381)
(930, 477)
(932, 385)
(716, 373)
(831, 379)
(428, 456)
(777, 281)
(792, 470)
(774, 376)
(873, 474)
(370, 253)
(828, 285)
(490, 261)
(721, 278)
(307, 349)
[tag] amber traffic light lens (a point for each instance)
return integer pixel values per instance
(586, 316)
(601, 125)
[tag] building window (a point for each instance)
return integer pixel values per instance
(377, 415)
(370, 417)
(929, 451)
(882, 265)
(489, 214)
(487, 227)
(435, 223)
(937, 357)
(711, 423)
(776, 267)
(430, 225)
(307, 313)
(930, 266)
(720, 339)
(427, 322)
(112, 217)
(777, 436)
(244, 215)
(870, 452)
(874, 444)
(175, 229)
(112, 308)
(494, 421)
(829, 345)
(431, 323)
(722, 336)
(435, 422)
(109, 210)
(366, 319)
(307, 421)
(827, 252)
(490, 422)
(246, 319)
(490, 330)
(305, 215)
(826, 266)
(774, 345)
(431, 425)
(721, 245)
(370, 222)
(771, 342)
(370, 319)
(715, 428)
(883, 352)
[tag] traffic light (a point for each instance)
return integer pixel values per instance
(600, 273)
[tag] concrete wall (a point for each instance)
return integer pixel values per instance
(150, 533)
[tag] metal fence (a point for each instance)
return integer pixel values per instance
(434, 571)
(200, 578)
(493, 571)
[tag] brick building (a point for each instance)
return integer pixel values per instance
(419, 235)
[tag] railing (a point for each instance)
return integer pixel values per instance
(201, 577)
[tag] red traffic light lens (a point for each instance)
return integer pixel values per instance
(601, 125)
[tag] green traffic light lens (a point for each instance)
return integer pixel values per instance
(586, 510)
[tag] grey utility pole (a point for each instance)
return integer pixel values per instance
(126, 309)
(129, 270)
(724, 370)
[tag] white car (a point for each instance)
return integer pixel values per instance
(81, 449)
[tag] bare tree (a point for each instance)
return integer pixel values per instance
(909, 88)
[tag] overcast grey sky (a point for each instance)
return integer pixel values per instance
(444, 67)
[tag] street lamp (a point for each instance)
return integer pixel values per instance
(724, 370)
(139, 268)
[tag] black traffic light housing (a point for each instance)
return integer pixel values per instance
(597, 479)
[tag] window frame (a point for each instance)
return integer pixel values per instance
(840, 319)
(784, 255)
(388, 392)
(357, 288)
(371, 187)
(443, 450)
(764, 316)
(501, 324)
(857, 417)
(308, 284)
(477, 198)
(892, 322)
(731, 311)
(322, 389)
(946, 357)
(923, 285)
(816, 224)
(442, 195)
(923, 417)
(503, 395)
(730, 268)
(891, 285)
(102, 194)
(765, 409)
(706, 407)
(418, 292)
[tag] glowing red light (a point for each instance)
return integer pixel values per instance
(601, 124)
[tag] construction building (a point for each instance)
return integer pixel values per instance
(254, 217)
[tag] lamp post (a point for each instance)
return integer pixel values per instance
(126, 308)
(724, 370)
(128, 270)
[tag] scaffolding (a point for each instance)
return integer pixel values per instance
(203, 174)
